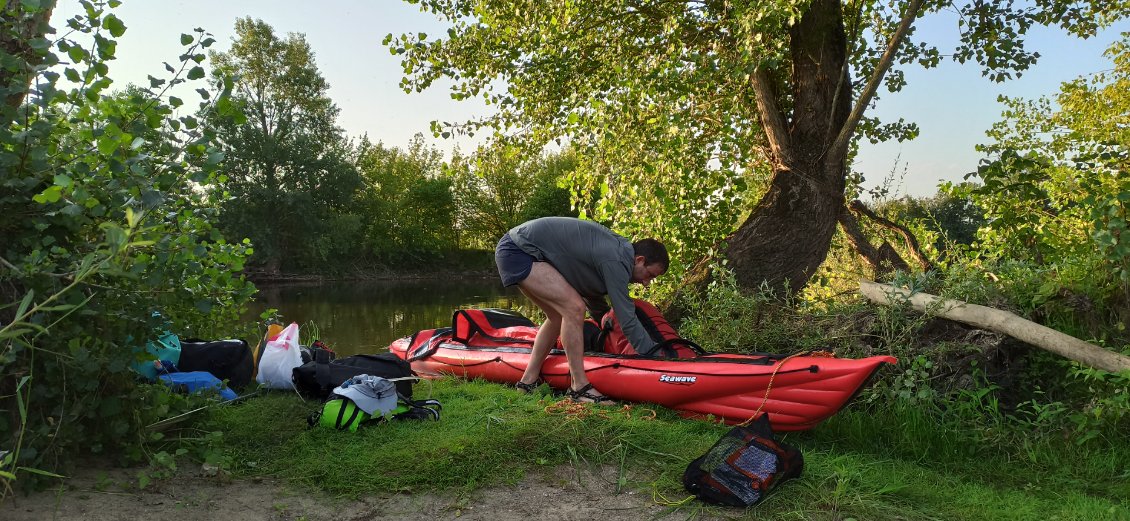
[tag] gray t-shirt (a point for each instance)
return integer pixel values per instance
(592, 259)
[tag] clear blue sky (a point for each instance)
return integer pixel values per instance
(952, 104)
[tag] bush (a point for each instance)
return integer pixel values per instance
(104, 223)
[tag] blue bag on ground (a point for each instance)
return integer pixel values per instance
(196, 381)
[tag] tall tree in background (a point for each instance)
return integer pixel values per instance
(407, 202)
(288, 166)
(709, 117)
(500, 187)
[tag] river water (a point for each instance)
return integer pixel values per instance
(366, 316)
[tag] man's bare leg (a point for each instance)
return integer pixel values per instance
(543, 342)
(550, 292)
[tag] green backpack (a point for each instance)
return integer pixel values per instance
(342, 414)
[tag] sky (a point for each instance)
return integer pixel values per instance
(952, 104)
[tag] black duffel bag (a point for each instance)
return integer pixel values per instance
(229, 360)
(317, 378)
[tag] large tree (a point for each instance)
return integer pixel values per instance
(288, 166)
(708, 117)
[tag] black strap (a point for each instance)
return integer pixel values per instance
(667, 346)
(475, 328)
(341, 414)
(425, 403)
(322, 375)
(417, 408)
(602, 337)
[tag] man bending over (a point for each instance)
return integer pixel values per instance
(559, 263)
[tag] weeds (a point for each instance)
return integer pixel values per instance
(730, 320)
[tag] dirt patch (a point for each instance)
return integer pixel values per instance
(104, 494)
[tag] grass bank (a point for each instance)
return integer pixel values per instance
(890, 463)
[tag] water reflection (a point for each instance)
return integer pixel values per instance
(364, 317)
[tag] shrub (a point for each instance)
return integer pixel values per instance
(104, 223)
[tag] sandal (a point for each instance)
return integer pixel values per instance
(587, 394)
(528, 388)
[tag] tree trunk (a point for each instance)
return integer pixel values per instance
(17, 29)
(787, 236)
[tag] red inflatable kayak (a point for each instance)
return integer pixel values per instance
(796, 391)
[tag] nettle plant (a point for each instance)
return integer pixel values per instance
(107, 235)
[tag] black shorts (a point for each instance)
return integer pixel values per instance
(513, 263)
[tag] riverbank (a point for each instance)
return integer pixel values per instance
(498, 455)
(98, 492)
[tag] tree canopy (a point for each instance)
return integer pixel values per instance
(1055, 186)
(709, 119)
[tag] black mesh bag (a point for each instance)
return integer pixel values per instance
(744, 466)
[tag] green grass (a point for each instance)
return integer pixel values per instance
(888, 464)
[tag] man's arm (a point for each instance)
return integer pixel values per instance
(616, 280)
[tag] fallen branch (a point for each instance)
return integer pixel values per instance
(1001, 322)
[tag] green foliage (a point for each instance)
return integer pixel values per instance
(105, 222)
(407, 203)
(1107, 409)
(953, 220)
(1056, 193)
(289, 184)
(1019, 452)
(498, 188)
(428, 218)
(728, 319)
(912, 385)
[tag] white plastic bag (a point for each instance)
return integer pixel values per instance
(280, 356)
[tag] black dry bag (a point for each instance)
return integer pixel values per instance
(229, 360)
(317, 378)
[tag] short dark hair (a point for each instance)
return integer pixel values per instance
(653, 251)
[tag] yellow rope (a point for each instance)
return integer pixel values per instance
(768, 388)
(660, 499)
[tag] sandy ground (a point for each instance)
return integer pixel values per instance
(104, 494)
